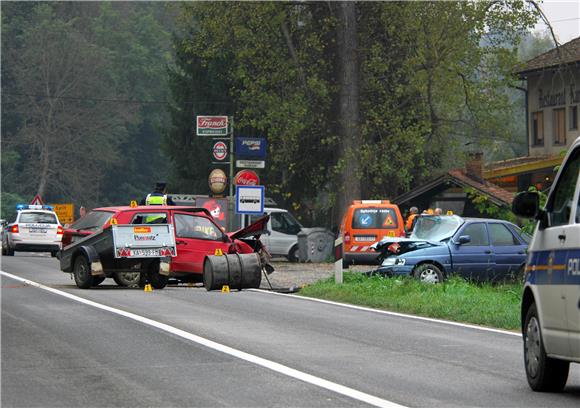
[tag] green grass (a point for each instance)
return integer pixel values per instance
(455, 299)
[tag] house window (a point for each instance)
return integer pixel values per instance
(573, 117)
(559, 126)
(538, 128)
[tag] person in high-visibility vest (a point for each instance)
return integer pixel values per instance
(158, 196)
(413, 211)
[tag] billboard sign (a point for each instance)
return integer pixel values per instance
(64, 212)
(220, 151)
(246, 178)
(251, 164)
(251, 147)
(250, 200)
(212, 125)
(218, 207)
(217, 181)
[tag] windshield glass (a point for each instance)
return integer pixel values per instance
(93, 220)
(374, 218)
(38, 217)
(436, 228)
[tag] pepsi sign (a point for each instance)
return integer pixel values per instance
(251, 147)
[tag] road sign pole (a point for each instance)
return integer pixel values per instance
(231, 218)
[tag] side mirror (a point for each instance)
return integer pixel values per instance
(225, 238)
(464, 239)
(526, 204)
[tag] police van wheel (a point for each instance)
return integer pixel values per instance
(543, 373)
(82, 273)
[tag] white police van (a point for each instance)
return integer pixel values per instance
(551, 298)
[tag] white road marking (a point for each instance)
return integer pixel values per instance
(271, 365)
(386, 312)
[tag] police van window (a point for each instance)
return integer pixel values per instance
(500, 235)
(192, 226)
(38, 218)
(477, 233)
(560, 206)
(578, 208)
(150, 218)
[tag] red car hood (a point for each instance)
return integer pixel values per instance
(255, 229)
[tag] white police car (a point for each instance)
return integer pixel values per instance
(35, 229)
(551, 298)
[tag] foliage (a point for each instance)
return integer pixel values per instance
(74, 77)
(9, 201)
(431, 77)
(455, 299)
(485, 206)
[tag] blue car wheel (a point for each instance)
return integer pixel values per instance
(428, 273)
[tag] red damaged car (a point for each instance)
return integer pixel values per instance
(196, 235)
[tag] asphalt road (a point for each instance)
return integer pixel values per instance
(196, 348)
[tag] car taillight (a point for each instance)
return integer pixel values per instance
(346, 238)
(14, 229)
(59, 230)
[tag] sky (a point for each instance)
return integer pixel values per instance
(564, 16)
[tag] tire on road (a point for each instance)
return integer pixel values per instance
(82, 272)
(428, 273)
(125, 279)
(157, 280)
(97, 280)
(543, 373)
(293, 254)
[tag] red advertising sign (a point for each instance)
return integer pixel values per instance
(246, 178)
(212, 125)
(218, 207)
(220, 150)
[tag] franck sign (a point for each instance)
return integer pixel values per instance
(212, 125)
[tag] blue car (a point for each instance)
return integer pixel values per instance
(474, 248)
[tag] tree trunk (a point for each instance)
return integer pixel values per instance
(348, 122)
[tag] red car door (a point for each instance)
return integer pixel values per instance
(196, 236)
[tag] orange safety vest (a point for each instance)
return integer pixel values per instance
(409, 224)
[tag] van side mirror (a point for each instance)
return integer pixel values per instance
(526, 204)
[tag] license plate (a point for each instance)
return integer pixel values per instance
(365, 238)
(146, 252)
(37, 231)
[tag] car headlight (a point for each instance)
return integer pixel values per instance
(392, 260)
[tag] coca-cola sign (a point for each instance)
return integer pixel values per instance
(246, 178)
(212, 125)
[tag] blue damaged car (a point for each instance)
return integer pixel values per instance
(474, 248)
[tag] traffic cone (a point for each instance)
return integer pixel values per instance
(148, 288)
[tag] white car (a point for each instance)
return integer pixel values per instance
(282, 236)
(551, 298)
(35, 229)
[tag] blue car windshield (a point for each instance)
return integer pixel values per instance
(436, 227)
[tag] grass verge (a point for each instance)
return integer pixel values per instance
(455, 299)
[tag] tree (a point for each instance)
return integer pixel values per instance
(83, 99)
(358, 100)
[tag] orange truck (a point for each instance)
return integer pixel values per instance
(364, 223)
